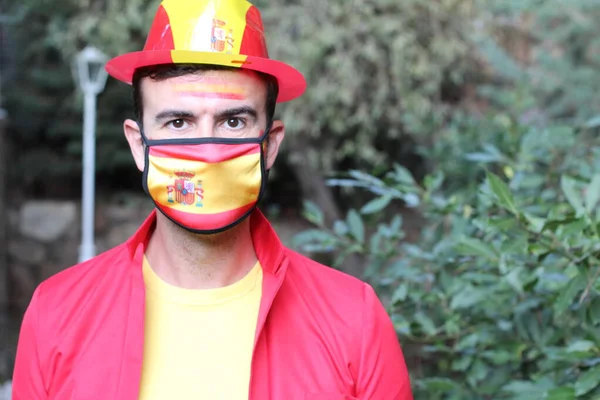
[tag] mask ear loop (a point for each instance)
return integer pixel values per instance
(141, 128)
(265, 140)
(146, 158)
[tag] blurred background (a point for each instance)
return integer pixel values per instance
(446, 151)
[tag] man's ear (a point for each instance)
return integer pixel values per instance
(134, 138)
(276, 135)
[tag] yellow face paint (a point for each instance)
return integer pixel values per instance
(211, 90)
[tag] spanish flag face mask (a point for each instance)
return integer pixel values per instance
(205, 185)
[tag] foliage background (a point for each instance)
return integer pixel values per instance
(446, 151)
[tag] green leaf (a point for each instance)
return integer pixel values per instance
(434, 182)
(439, 385)
(592, 194)
(565, 299)
(593, 122)
(403, 175)
(426, 323)
(570, 189)
(514, 279)
(376, 205)
(561, 393)
(396, 223)
(375, 242)
(498, 357)
(482, 157)
(588, 381)
(340, 228)
(581, 346)
(366, 178)
(573, 228)
(468, 342)
(313, 236)
(537, 224)
(515, 245)
(400, 293)
(503, 195)
(554, 224)
(314, 240)
(462, 363)
(313, 213)
(521, 387)
(594, 311)
(468, 297)
(476, 247)
(356, 226)
(478, 371)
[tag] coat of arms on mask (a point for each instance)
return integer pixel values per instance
(184, 190)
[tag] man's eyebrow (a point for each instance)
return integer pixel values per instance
(173, 114)
(232, 112)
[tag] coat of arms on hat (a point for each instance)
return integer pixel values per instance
(221, 36)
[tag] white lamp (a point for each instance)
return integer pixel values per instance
(90, 75)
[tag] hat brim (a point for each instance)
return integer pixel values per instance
(291, 82)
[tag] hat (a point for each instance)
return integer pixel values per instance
(220, 32)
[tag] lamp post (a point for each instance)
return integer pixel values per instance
(91, 77)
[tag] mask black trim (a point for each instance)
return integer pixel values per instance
(195, 141)
(264, 172)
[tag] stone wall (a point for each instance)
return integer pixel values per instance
(43, 239)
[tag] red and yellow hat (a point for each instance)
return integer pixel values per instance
(219, 32)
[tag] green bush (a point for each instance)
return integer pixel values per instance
(500, 296)
(376, 69)
(552, 45)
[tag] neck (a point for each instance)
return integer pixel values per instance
(194, 261)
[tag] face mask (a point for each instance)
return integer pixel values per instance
(205, 185)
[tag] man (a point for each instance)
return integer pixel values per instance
(204, 302)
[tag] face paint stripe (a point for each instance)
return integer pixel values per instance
(211, 152)
(205, 85)
(214, 95)
(209, 90)
(209, 80)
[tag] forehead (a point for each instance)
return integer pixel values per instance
(242, 85)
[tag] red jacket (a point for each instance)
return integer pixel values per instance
(321, 334)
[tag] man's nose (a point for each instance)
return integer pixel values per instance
(206, 128)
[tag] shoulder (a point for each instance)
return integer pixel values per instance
(319, 273)
(354, 312)
(340, 290)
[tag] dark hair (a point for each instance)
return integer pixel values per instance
(162, 72)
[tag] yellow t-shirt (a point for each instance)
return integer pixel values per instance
(198, 343)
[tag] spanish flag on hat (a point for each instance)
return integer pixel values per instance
(220, 32)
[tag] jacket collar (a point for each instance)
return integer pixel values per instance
(269, 249)
(270, 253)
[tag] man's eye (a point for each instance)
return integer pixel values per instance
(178, 123)
(234, 123)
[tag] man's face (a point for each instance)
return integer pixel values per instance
(211, 104)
